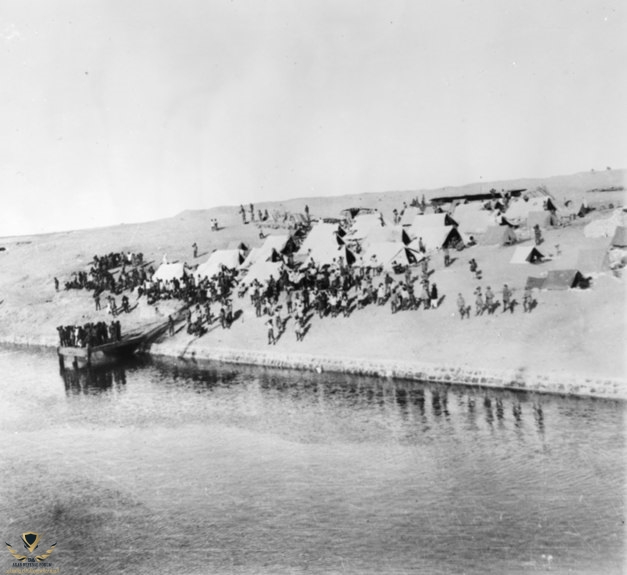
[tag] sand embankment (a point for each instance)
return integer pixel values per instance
(572, 343)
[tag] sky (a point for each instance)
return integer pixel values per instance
(118, 111)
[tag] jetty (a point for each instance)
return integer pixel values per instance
(129, 344)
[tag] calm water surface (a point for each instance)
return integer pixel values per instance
(170, 467)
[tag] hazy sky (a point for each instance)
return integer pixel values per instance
(128, 110)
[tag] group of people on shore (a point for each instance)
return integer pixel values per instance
(487, 303)
(300, 290)
(199, 318)
(100, 277)
(89, 334)
(334, 290)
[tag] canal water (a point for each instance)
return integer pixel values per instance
(172, 467)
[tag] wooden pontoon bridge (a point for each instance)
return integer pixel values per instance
(127, 345)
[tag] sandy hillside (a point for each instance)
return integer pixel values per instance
(574, 331)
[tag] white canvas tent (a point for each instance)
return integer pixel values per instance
(329, 254)
(407, 219)
(387, 234)
(364, 224)
(252, 256)
(435, 238)
(271, 245)
(261, 271)
(168, 272)
(498, 236)
(474, 221)
(432, 221)
(526, 255)
(227, 258)
(387, 254)
(519, 210)
(322, 245)
(322, 234)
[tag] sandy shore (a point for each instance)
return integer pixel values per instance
(572, 343)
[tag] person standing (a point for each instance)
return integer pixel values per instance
(278, 323)
(434, 296)
(408, 275)
(489, 300)
(229, 313)
(507, 295)
(170, 326)
(426, 295)
(478, 302)
(461, 306)
(527, 299)
(195, 248)
(56, 284)
(288, 300)
(270, 324)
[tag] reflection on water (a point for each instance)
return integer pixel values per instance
(411, 401)
(139, 466)
(93, 379)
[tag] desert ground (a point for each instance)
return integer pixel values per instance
(578, 332)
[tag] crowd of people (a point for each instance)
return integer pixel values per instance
(100, 276)
(299, 291)
(337, 289)
(200, 317)
(89, 334)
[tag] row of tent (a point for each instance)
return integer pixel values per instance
(380, 245)
(468, 219)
